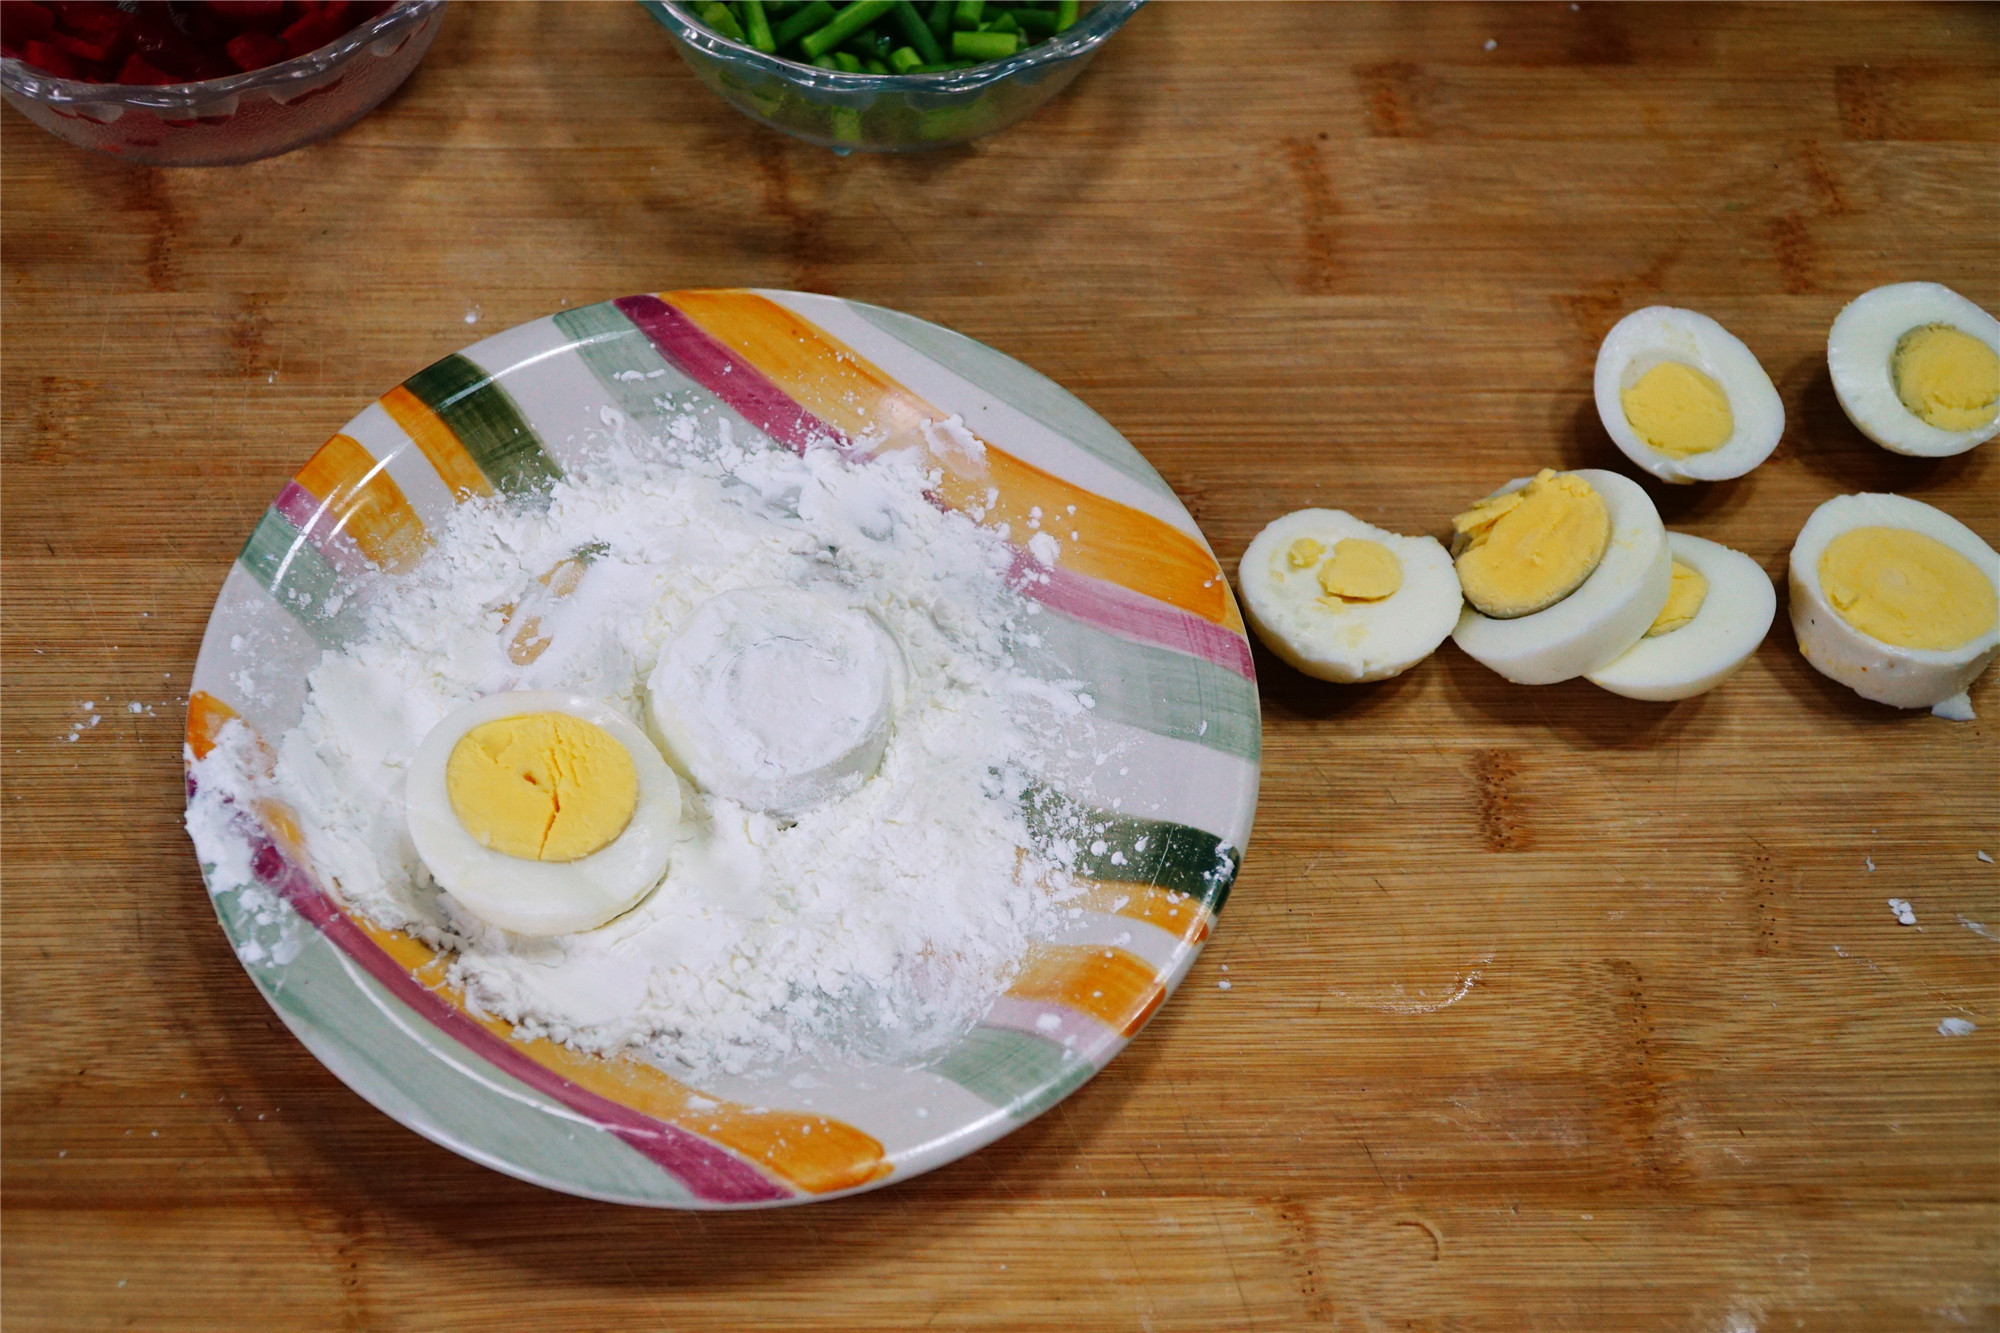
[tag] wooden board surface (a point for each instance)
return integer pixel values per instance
(1547, 1010)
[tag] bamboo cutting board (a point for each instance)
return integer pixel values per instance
(1532, 1008)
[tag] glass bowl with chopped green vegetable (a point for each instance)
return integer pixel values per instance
(888, 76)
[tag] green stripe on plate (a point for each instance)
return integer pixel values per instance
(299, 579)
(1101, 844)
(1026, 391)
(1021, 1074)
(1151, 688)
(488, 423)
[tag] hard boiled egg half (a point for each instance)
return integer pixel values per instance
(1916, 367)
(1343, 600)
(1896, 600)
(1562, 572)
(1683, 397)
(542, 812)
(1719, 608)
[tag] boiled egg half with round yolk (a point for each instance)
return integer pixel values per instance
(1719, 608)
(1916, 367)
(1344, 600)
(1562, 572)
(1896, 600)
(1683, 397)
(542, 812)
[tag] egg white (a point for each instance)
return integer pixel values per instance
(777, 698)
(1608, 613)
(1364, 640)
(1861, 345)
(1733, 619)
(543, 897)
(1644, 339)
(1900, 677)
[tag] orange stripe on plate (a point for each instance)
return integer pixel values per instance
(1116, 987)
(365, 502)
(1113, 542)
(812, 1152)
(1176, 913)
(206, 714)
(447, 456)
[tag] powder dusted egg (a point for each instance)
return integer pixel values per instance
(1720, 605)
(1916, 367)
(542, 812)
(1896, 600)
(777, 698)
(1562, 572)
(1683, 397)
(1343, 600)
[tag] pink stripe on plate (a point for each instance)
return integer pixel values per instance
(708, 1171)
(1130, 615)
(726, 375)
(1066, 1027)
(314, 517)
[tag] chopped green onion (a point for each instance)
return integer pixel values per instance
(757, 26)
(1035, 23)
(917, 32)
(1005, 23)
(809, 19)
(826, 62)
(851, 19)
(965, 13)
(938, 20)
(848, 61)
(984, 45)
(905, 58)
(874, 67)
(717, 16)
(1065, 15)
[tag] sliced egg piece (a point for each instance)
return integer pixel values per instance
(1896, 600)
(1719, 607)
(1344, 600)
(542, 812)
(1916, 367)
(778, 698)
(1562, 572)
(1683, 397)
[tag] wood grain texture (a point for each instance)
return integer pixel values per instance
(1548, 1010)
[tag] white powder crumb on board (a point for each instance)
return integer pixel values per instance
(472, 315)
(1982, 855)
(1869, 863)
(1900, 908)
(1223, 984)
(1956, 1027)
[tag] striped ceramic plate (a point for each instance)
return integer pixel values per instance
(1139, 608)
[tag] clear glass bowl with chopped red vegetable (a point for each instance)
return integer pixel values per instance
(212, 83)
(888, 113)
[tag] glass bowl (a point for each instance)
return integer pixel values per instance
(888, 113)
(222, 122)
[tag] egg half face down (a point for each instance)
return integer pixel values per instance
(1916, 367)
(542, 812)
(1896, 600)
(1719, 608)
(1343, 600)
(1562, 580)
(1683, 398)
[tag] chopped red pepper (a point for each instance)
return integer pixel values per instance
(248, 13)
(173, 42)
(136, 70)
(22, 22)
(253, 49)
(51, 58)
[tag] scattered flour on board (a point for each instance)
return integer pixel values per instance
(880, 926)
(1956, 1027)
(1900, 908)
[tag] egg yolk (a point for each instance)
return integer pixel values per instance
(1907, 589)
(1678, 410)
(1304, 553)
(1684, 599)
(1361, 571)
(542, 786)
(1527, 550)
(1949, 379)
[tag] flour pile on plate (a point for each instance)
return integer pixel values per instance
(878, 926)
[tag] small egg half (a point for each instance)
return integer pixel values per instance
(778, 698)
(1719, 608)
(1683, 397)
(542, 812)
(1916, 367)
(1344, 600)
(1896, 600)
(1562, 580)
